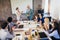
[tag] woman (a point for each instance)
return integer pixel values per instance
(18, 13)
(47, 25)
(35, 18)
(54, 34)
(40, 17)
(11, 27)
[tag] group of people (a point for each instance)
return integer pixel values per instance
(51, 27)
(6, 29)
(29, 13)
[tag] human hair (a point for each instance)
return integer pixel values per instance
(4, 25)
(17, 8)
(46, 19)
(56, 27)
(38, 16)
(34, 17)
(0, 26)
(9, 19)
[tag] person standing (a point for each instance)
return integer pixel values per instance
(18, 14)
(40, 10)
(29, 13)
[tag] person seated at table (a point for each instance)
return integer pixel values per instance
(47, 25)
(10, 23)
(3, 31)
(11, 34)
(41, 24)
(40, 17)
(55, 34)
(11, 27)
(35, 18)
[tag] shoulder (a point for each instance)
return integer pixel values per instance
(42, 18)
(3, 33)
(11, 24)
(55, 31)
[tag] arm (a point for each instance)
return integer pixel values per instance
(53, 33)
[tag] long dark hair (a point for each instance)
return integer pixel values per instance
(56, 27)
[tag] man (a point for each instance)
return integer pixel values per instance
(29, 13)
(11, 24)
(3, 31)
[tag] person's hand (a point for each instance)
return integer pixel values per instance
(13, 28)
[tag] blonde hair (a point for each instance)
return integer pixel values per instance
(46, 20)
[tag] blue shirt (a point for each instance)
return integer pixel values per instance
(30, 13)
(42, 19)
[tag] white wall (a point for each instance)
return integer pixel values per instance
(36, 3)
(43, 4)
(46, 6)
(21, 4)
(55, 9)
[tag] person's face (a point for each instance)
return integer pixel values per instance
(28, 7)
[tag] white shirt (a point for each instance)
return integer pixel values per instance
(18, 15)
(3, 34)
(54, 34)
